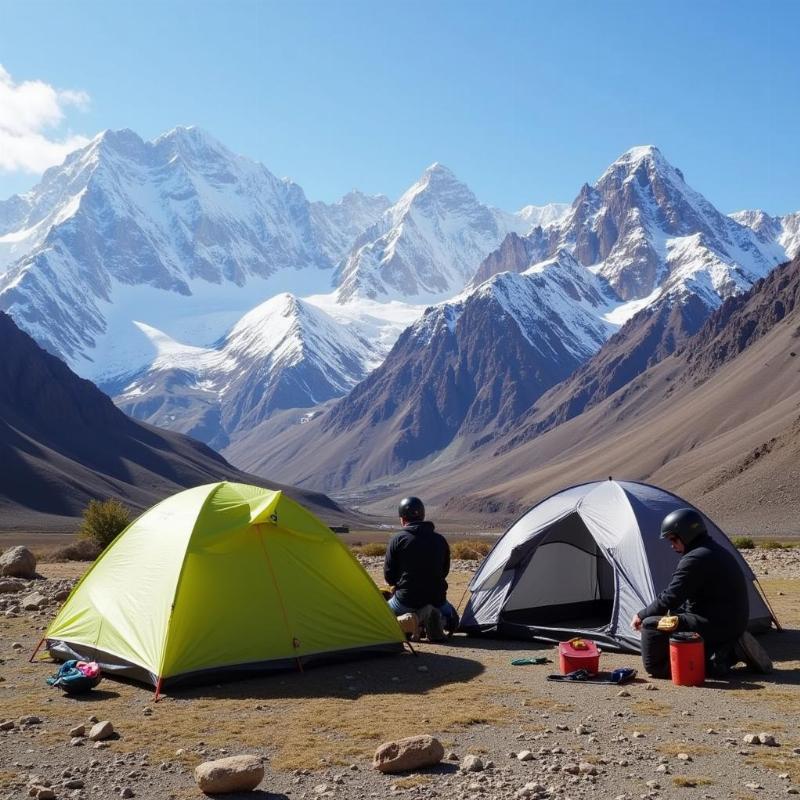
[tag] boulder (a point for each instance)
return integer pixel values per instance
(408, 754)
(34, 601)
(228, 775)
(18, 562)
(101, 730)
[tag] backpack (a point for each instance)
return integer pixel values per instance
(76, 677)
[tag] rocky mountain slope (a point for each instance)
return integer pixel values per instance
(63, 443)
(718, 422)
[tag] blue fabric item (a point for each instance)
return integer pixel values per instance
(71, 680)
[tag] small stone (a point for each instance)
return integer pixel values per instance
(751, 738)
(78, 730)
(754, 786)
(684, 757)
(651, 687)
(7, 725)
(582, 730)
(127, 792)
(525, 755)
(471, 763)
(767, 739)
(792, 790)
(73, 783)
(623, 693)
(45, 794)
(30, 720)
(663, 768)
(585, 768)
(76, 741)
(637, 735)
(653, 784)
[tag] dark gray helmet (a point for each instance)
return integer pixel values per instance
(685, 523)
(411, 509)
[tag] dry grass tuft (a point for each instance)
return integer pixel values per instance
(651, 708)
(370, 549)
(548, 703)
(470, 549)
(692, 748)
(690, 781)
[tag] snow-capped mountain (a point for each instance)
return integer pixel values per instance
(338, 225)
(783, 231)
(646, 230)
(466, 369)
(427, 245)
(283, 354)
(125, 225)
(544, 216)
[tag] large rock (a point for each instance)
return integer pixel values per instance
(227, 775)
(408, 754)
(18, 562)
(100, 731)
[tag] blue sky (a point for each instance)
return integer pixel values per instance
(524, 101)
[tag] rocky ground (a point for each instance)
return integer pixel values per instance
(507, 732)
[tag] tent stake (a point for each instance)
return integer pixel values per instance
(413, 651)
(33, 654)
(158, 690)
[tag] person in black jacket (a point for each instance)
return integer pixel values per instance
(708, 593)
(416, 564)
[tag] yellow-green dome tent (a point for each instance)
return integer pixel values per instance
(221, 578)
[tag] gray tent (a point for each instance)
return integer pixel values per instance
(582, 563)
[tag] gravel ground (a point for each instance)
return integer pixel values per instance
(648, 740)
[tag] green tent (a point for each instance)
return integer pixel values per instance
(217, 579)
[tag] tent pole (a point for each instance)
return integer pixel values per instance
(458, 607)
(764, 595)
(33, 654)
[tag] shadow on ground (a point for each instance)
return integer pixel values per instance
(400, 674)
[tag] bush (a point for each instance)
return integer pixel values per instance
(470, 550)
(103, 521)
(743, 542)
(371, 549)
(79, 550)
(771, 544)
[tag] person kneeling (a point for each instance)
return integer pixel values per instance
(417, 563)
(707, 592)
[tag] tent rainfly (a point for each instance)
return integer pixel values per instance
(223, 578)
(582, 563)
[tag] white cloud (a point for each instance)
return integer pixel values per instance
(30, 114)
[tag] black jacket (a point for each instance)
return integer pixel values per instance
(708, 582)
(417, 562)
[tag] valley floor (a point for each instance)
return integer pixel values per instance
(317, 730)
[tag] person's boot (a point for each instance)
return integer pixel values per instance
(434, 625)
(747, 649)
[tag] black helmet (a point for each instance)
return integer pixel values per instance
(685, 523)
(411, 509)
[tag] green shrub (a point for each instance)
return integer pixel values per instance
(771, 544)
(103, 521)
(470, 550)
(743, 542)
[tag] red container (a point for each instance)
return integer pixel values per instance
(687, 659)
(579, 654)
